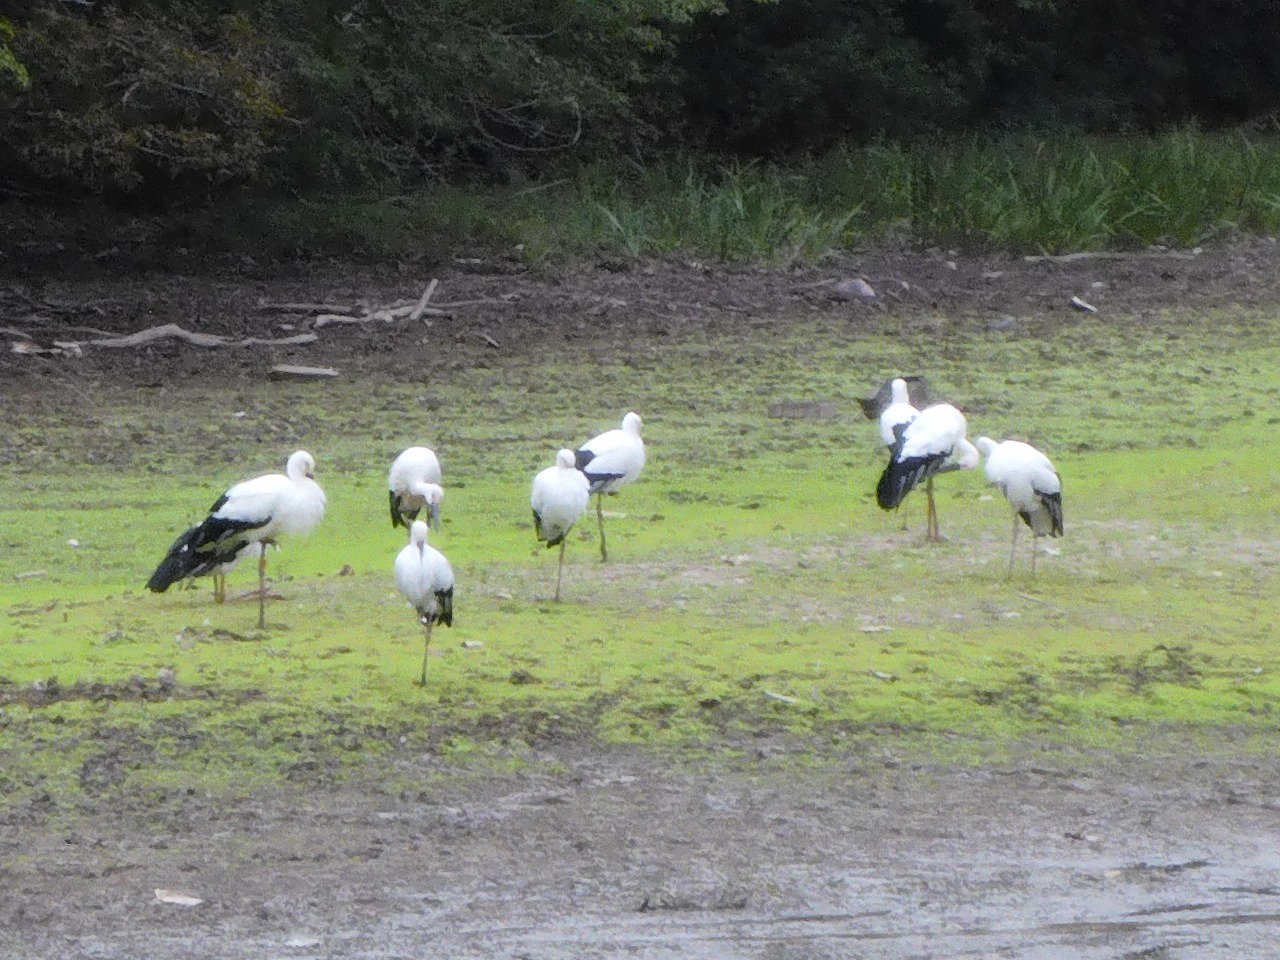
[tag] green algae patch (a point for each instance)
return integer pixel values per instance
(753, 590)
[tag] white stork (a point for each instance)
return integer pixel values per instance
(897, 414)
(934, 442)
(1032, 486)
(425, 578)
(612, 460)
(560, 495)
(413, 483)
(255, 511)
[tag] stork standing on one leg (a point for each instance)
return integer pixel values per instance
(257, 511)
(414, 483)
(560, 495)
(609, 461)
(933, 443)
(425, 578)
(1032, 486)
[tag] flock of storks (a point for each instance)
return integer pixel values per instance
(922, 443)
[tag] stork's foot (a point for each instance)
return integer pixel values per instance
(937, 537)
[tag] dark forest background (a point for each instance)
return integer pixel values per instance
(153, 103)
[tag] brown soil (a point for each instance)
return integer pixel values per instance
(595, 852)
(506, 309)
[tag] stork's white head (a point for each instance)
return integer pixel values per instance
(565, 460)
(418, 534)
(433, 494)
(898, 392)
(986, 446)
(301, 464)
(632, 423)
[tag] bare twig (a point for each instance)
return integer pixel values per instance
(421, 306)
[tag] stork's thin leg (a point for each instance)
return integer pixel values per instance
(1013, 547)
(933, 535)
(1035, 548)
(426, 647)
(604, 551)
(262, 590)
(219, 587)
(560, 570)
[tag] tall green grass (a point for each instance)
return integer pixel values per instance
(1019, 193)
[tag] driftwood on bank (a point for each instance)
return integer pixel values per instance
(321, 314)
(172, 331)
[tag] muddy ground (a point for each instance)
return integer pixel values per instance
(1167, 851)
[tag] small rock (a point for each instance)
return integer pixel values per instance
(853, 288)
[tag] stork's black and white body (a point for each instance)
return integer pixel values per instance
(612, 460)
(425, 578)
(414, 483)
(933, 443)
(257, 511)
(560, 495)
(1032, 486)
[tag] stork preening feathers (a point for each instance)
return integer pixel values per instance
(1030, 483)
(560, 495)
(425, 578)
(933, 442)
(257, 511)
(897, 413)
(413, 483)
(612, 460)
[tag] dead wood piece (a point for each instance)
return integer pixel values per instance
(1114, 255)
(421, 306)
(172, 331)
(280, 342)
(162, 332)
(289, 371)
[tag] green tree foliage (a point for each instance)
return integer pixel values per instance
(798, 75)
(167, 100)
(164, 101)
(11, 70)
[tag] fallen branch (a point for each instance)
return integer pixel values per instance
(167, 331)
(1113, 255)
(420, 307)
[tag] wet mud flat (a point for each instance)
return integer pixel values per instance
(615, 852)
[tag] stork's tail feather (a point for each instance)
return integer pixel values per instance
(1053, 503)
(397, 520)
(896, 482)
(200, 549)
(180, 562)
(445, 599)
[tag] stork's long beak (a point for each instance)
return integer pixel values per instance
(434, 510)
